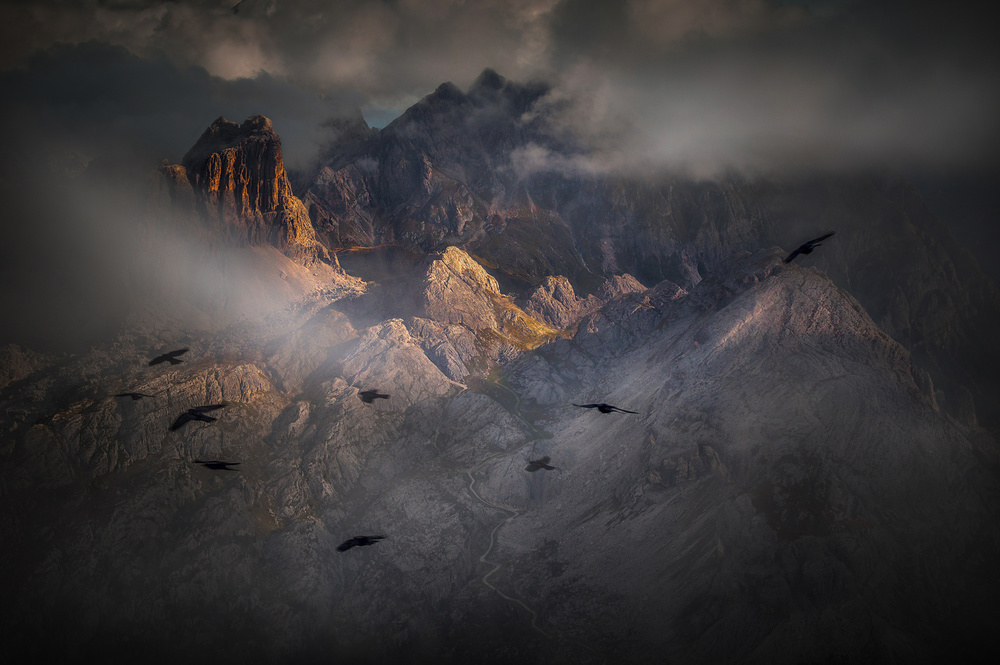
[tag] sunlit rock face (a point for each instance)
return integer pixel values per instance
(457, 311)
(237, 173)
(555, 302)
(788, 488)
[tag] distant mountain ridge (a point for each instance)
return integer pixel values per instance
(442, 174)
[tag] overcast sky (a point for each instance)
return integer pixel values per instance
(706, 83)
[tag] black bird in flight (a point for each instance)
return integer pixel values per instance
(197, 413)
(369, 396)
(540, 463)
(604, 408)
(134, 396)
(358, 541)
(170, 356)
(216, 465)
(808, 247)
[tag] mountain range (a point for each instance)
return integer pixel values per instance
(810, 474)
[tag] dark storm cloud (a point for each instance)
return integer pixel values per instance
(94, 100)
(766, 86)
(387, 50)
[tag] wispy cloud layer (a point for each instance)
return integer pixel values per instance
(700, 85)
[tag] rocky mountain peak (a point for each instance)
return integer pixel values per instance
(509, 97)
(257, 123)
(453, 263)
(489, 79)
(224, 134)
(448, 91)
(239, 182)
(555, 302)
(457, 290)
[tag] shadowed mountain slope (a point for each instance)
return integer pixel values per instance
(788, 490)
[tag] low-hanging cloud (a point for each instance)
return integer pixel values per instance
(94, 254)
(861, 89)
(103, 102)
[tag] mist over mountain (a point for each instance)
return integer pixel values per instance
(392, 247)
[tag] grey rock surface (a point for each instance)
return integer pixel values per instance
(789, 489)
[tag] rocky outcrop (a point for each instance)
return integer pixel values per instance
(453, 348)
(238, 176)
(555, 302)
(444, 292)
(457, 290)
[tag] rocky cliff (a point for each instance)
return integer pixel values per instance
(238, 177)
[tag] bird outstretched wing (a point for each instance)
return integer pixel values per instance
(217, 465)
(807, 247)
(358, 541)
(170, 356)
(182, 419)
(346, 545)
(791, 257)
(207, 407)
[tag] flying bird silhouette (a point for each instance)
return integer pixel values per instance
(134, 396)
(369, 396)
(604, 408)
(170, 356)
(808, 247)
(540, 463)
(358, 541)
(197, 413)
(217, 465)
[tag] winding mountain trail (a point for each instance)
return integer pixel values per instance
(513, 513)
(483, 558)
